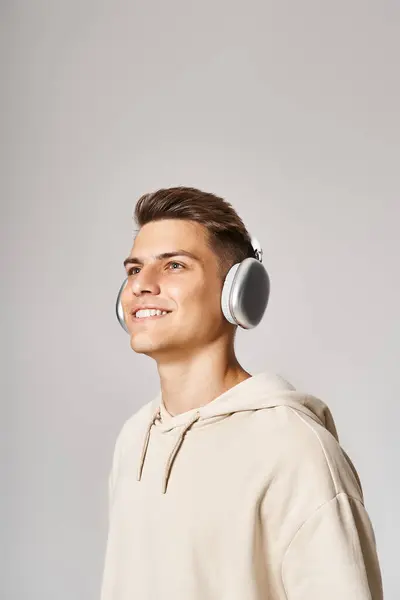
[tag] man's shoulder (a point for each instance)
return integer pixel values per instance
(312, 450)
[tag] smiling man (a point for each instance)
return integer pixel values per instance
(185, 281)
(226, 485)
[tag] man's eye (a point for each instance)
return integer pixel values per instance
(175, 263)
(132, 271)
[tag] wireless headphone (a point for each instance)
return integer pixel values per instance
(245, 292)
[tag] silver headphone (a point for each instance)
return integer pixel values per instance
(245, 292)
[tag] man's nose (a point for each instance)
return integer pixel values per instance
(145, 281)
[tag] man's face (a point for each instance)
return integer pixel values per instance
(188, 288)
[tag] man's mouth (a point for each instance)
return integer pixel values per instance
(149, 314)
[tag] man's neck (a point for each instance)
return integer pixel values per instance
(197, 381)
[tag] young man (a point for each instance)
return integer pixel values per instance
(227, 485)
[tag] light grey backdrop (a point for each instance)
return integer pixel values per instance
(287, 109)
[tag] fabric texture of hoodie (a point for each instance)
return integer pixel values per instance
(249, 497)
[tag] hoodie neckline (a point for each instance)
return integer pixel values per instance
(221, 406)
(263, 390)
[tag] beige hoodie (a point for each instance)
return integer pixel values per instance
(249, 497)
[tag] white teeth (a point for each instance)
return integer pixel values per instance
(149, 312)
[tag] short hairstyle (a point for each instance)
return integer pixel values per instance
(227, 236)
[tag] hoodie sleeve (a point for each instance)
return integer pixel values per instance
(110, 493)
(333, 555)
(112, 474)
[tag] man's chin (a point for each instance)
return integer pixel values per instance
(141, 346)
(158, 351)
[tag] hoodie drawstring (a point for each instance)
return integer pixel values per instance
(146, 443)
(174, 450)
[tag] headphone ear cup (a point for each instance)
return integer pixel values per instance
(118, 307)
(245, 293)
(227, 294)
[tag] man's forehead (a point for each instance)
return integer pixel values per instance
(159, 237)
(172, 227)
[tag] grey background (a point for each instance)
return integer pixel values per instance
(287, 109)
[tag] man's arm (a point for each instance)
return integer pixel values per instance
(333, 556)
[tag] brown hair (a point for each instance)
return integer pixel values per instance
(227, 234)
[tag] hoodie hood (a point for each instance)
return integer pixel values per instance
(262, 391)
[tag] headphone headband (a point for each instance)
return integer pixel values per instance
(257, 248)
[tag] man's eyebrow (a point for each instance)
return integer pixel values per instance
(137, 260)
